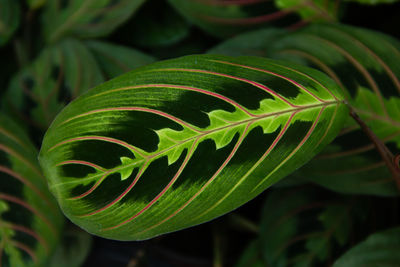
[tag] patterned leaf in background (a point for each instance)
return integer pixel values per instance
(303, 227)
(9, 19)
(226, 18)
(85, 19)
(60, 73)
(115, 60)
(30, 220)
(180, 142)
(350, 164)
(379, 249)
(373, 2)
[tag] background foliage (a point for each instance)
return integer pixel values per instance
(333, 211)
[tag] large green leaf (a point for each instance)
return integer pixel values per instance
(226, 18)
(378, 250)
(59, 74)
(365, 64)
(30, 221)
(180, 142)
(9, 19)
(85, 19)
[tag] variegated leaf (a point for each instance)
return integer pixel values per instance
(226, 18)
(30, 220)
(180, 142)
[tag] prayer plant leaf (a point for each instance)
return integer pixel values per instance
(30, 220)
(226, 18)
(379, 249)
(373, 2)
(180, 142)
(85, 19)
(59, 74)
(9, 19)
(350, 164)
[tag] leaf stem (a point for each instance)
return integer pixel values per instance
(391, 161)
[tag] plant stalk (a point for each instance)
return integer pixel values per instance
(392, 162)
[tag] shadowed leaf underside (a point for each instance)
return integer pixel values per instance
(180, 142)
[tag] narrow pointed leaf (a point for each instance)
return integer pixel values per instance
(85, 19)
(180, 142)
(30, 220)
(379, 249)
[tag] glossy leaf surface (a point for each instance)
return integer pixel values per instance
(379, 249)
(85, 19)
(182, 141)
(226, 18)
(30, 221)
(9, 19)
(350, 164)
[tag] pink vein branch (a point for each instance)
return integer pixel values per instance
(29, 232)
(26, 249)
(127, 190)
(256, 84)
(274, 143)
(178, 173)
(189, 88)
(82, 162)
(163, 114)
(224, 164)
(28, 184)
(301, 87)
(99, 138)
(92, 188)
(30, 208)
(310, 131)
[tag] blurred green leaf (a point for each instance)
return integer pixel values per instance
(158, 24)
(30, 220)
(9, 19)
(85, 19)
(378, 250)
(35, 4)
(58, 75)
(73, 249)
(115, 60)
(304, 226)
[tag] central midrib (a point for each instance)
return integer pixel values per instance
(147, 158)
